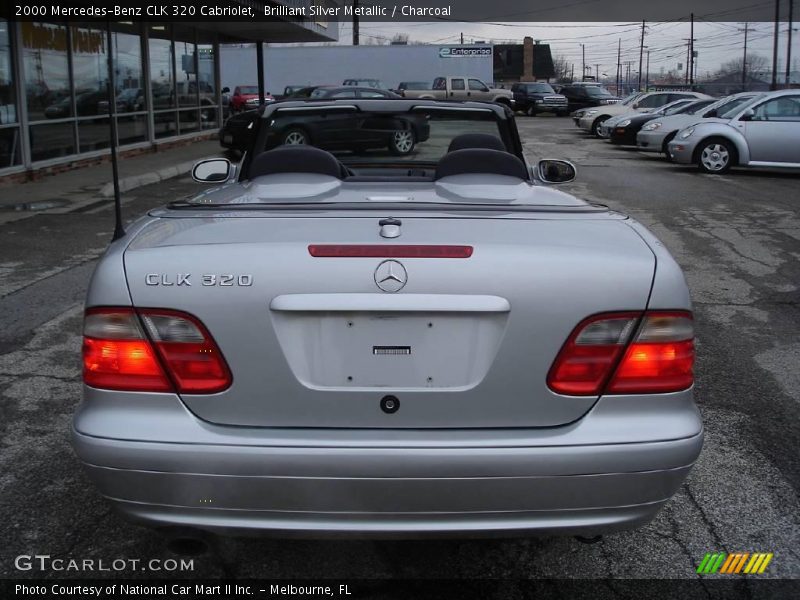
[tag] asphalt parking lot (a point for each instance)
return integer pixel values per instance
(736, 236)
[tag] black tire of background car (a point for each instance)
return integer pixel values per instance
(665, 146)
(596, 125)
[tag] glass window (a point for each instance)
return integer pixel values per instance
(9, 147)
(93, 134)
(165, 124)
(8, 102)
(131, 129)
(186, 74)
(127, 52)
(188, 120)
(457, 84)
(783, 108)
(90, 71)
(345, 94)
(477, 86)
(206, 84)
(52, 140)
(44, 55)
(162, 77)
(653, 101)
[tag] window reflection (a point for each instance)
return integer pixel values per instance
(52, 140)
(44, 55)
(127, 53)
(94, 134)
(89, 72)
(161, 72)
(8, 104)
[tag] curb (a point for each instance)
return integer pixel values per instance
(127, 184)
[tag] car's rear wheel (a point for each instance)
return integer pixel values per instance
(716, 155)
(402, 142)
(596, 124)
(295, 137)
(665, 146)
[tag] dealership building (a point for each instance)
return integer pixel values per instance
(167, 83)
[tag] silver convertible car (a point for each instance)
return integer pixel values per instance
(366, 344)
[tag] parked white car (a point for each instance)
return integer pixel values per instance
(592, 118)
(764, 132)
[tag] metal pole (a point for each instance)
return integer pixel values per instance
(789, 46)
(119, 229)
(774, 84)
(647, 73)
(641, 56)
(583, 62)
(619, 64)
(356, 36)
(691, 53)
(260, 72)
(744, 59)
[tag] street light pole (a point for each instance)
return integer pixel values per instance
(789, 46)
(641, 56)
(774, 84)
(744, 58)
(583, 61)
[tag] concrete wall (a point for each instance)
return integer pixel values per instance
(319, 65)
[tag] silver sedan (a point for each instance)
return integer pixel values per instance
(762, 133)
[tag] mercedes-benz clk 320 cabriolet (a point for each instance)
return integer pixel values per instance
(372, 345)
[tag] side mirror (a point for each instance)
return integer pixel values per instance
(226, 90)
(555, 171)
(635, 106)
(748, 115)
(712, 113)
(212, 170)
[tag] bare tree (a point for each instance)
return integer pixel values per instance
(561, 67)
(755, 64)
(400, 39)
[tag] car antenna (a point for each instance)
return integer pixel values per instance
(119, 229)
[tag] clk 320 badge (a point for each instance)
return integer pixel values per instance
(207, 280)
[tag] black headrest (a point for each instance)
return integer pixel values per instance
(476, 140)
(476, 160)
(296, 159)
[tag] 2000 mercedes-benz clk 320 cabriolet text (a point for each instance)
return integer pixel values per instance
(358, 341)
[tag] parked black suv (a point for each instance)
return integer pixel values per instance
(539, 97)
(584, 96)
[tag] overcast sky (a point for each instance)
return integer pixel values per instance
(716, 43)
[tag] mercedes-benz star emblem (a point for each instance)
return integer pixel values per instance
(391, 276)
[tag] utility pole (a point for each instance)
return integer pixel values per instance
(356, 35)
(462, 38)
(583, 61)
(691, 52)
(686, 70)
(572, 74)
(774, 84)
(647, 73)
(597, 72)
(641, 56)
(789, 46)
(744, 57)
(619, 64)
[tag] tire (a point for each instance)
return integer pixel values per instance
(295, 137)
(715, 155)
(402, 142)
(665, 146)
(596, 124)
(531, 111)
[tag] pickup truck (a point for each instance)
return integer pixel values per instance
(461, 88)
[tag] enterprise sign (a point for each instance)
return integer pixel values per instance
(458, 52)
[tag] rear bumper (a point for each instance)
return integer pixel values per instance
(384, 484)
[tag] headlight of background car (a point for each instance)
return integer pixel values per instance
(686, 133)
(624, 123)
(651, 126)
(591, 112)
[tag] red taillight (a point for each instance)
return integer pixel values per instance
(175, 354)
(658, 355)
(388, 251)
